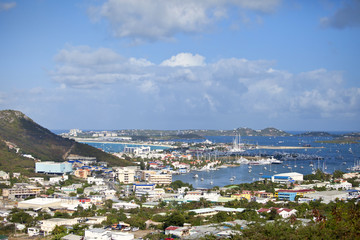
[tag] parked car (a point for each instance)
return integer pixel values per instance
(134, 229)
(127, 229)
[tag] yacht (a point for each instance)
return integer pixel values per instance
(195, 176)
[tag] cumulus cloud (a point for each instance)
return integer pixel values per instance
(5, 6)
(184, 60)
(163, 19)
(227, 86)
(346, 16)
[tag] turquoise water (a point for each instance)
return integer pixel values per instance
(119, 147)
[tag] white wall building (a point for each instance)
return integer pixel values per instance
(126, 175)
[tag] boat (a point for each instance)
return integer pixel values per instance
(232, 179)
(202, 179)
(195, 176)
(237, 147)
(211, 182)
(250, 170)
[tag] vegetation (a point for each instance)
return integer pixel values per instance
(22, 133)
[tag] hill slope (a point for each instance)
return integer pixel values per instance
(31, 138)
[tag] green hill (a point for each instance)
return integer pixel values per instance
(19, 131)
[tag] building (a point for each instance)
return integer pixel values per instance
(204, 212)
(283, 212)
(327, 196)
(103, 234)
(37, 203)
(342, 185)
(21, 191)
(157, 177)
(290, 177)
(289, 195)
(138, 151)
(48, 225)
(53, 167)
(82, 173)
(4, 175)
(143, 187)
(126, 175)
(96, 181)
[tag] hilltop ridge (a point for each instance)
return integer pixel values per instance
(20, 135)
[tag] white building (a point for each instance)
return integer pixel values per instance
(327, 196)
(103, 234)
(96, 181)
(126, 175)
(125, 205)
(342, 185)
(48, 225)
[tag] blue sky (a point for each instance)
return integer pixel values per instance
(181, 64)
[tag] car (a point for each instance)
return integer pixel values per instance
(127, 229)
(134, 229)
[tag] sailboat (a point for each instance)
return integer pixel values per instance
(237, 146)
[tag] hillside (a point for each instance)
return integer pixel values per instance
(20, 131)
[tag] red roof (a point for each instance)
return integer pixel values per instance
(171, 228)
(263, 210)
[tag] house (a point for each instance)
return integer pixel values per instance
(177, 231)
(125, 205)
(48, 225)
(283, 212)
(103, 234)
(4, 175)
(96, 181)
(204, 212)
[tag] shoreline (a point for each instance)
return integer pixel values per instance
(170, 146)
(124, 143)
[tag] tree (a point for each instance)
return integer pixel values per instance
(21, 217)
(174, 219)
(108, 203)
(58, 232)
(338, 174)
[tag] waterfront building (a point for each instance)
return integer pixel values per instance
(284, 178)
(138, 151)
(53, 167)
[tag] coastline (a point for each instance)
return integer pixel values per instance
(123, 143)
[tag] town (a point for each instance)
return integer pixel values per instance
(83, 198)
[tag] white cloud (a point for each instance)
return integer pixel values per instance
(162, 19)
(185, 60)
(5, 6)
(227, 86)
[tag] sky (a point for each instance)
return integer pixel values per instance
(182, 64)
